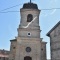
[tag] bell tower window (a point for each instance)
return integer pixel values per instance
(29, 34)
(29, 17)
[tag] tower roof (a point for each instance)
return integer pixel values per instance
(30, 6)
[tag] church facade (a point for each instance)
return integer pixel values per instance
(28, 45)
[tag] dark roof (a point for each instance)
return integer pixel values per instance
(4, 52)
(48, 34)
(30, 6)
(13, 40)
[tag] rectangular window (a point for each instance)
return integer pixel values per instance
(3, 58)
(0, 58)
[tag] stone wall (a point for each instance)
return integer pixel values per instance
(12, 50)
(55, 43)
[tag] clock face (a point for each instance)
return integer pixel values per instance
(28, 49)
(29, 18)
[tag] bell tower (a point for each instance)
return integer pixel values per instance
(29, 23)
(29, 45)
(28, 40)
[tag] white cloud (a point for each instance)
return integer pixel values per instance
(56, 0)
(53, 12)
(46, 15)
(53, 1)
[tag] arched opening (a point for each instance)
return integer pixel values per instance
(27, 58)
(29, 17)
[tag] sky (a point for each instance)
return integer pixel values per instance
(9, 21)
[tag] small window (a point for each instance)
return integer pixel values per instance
(29, 17)
(29, 34)
(3, 58)
(28, 49)
(0, 57)
(42, 49)
(13, 47)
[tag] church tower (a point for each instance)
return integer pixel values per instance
(28, 45)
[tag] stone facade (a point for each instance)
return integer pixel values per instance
(12, 49)
(54, 35)
(28, 44)
(43, 51)
(38, 48)
(33, 43)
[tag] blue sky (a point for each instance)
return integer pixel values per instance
(9, 22)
